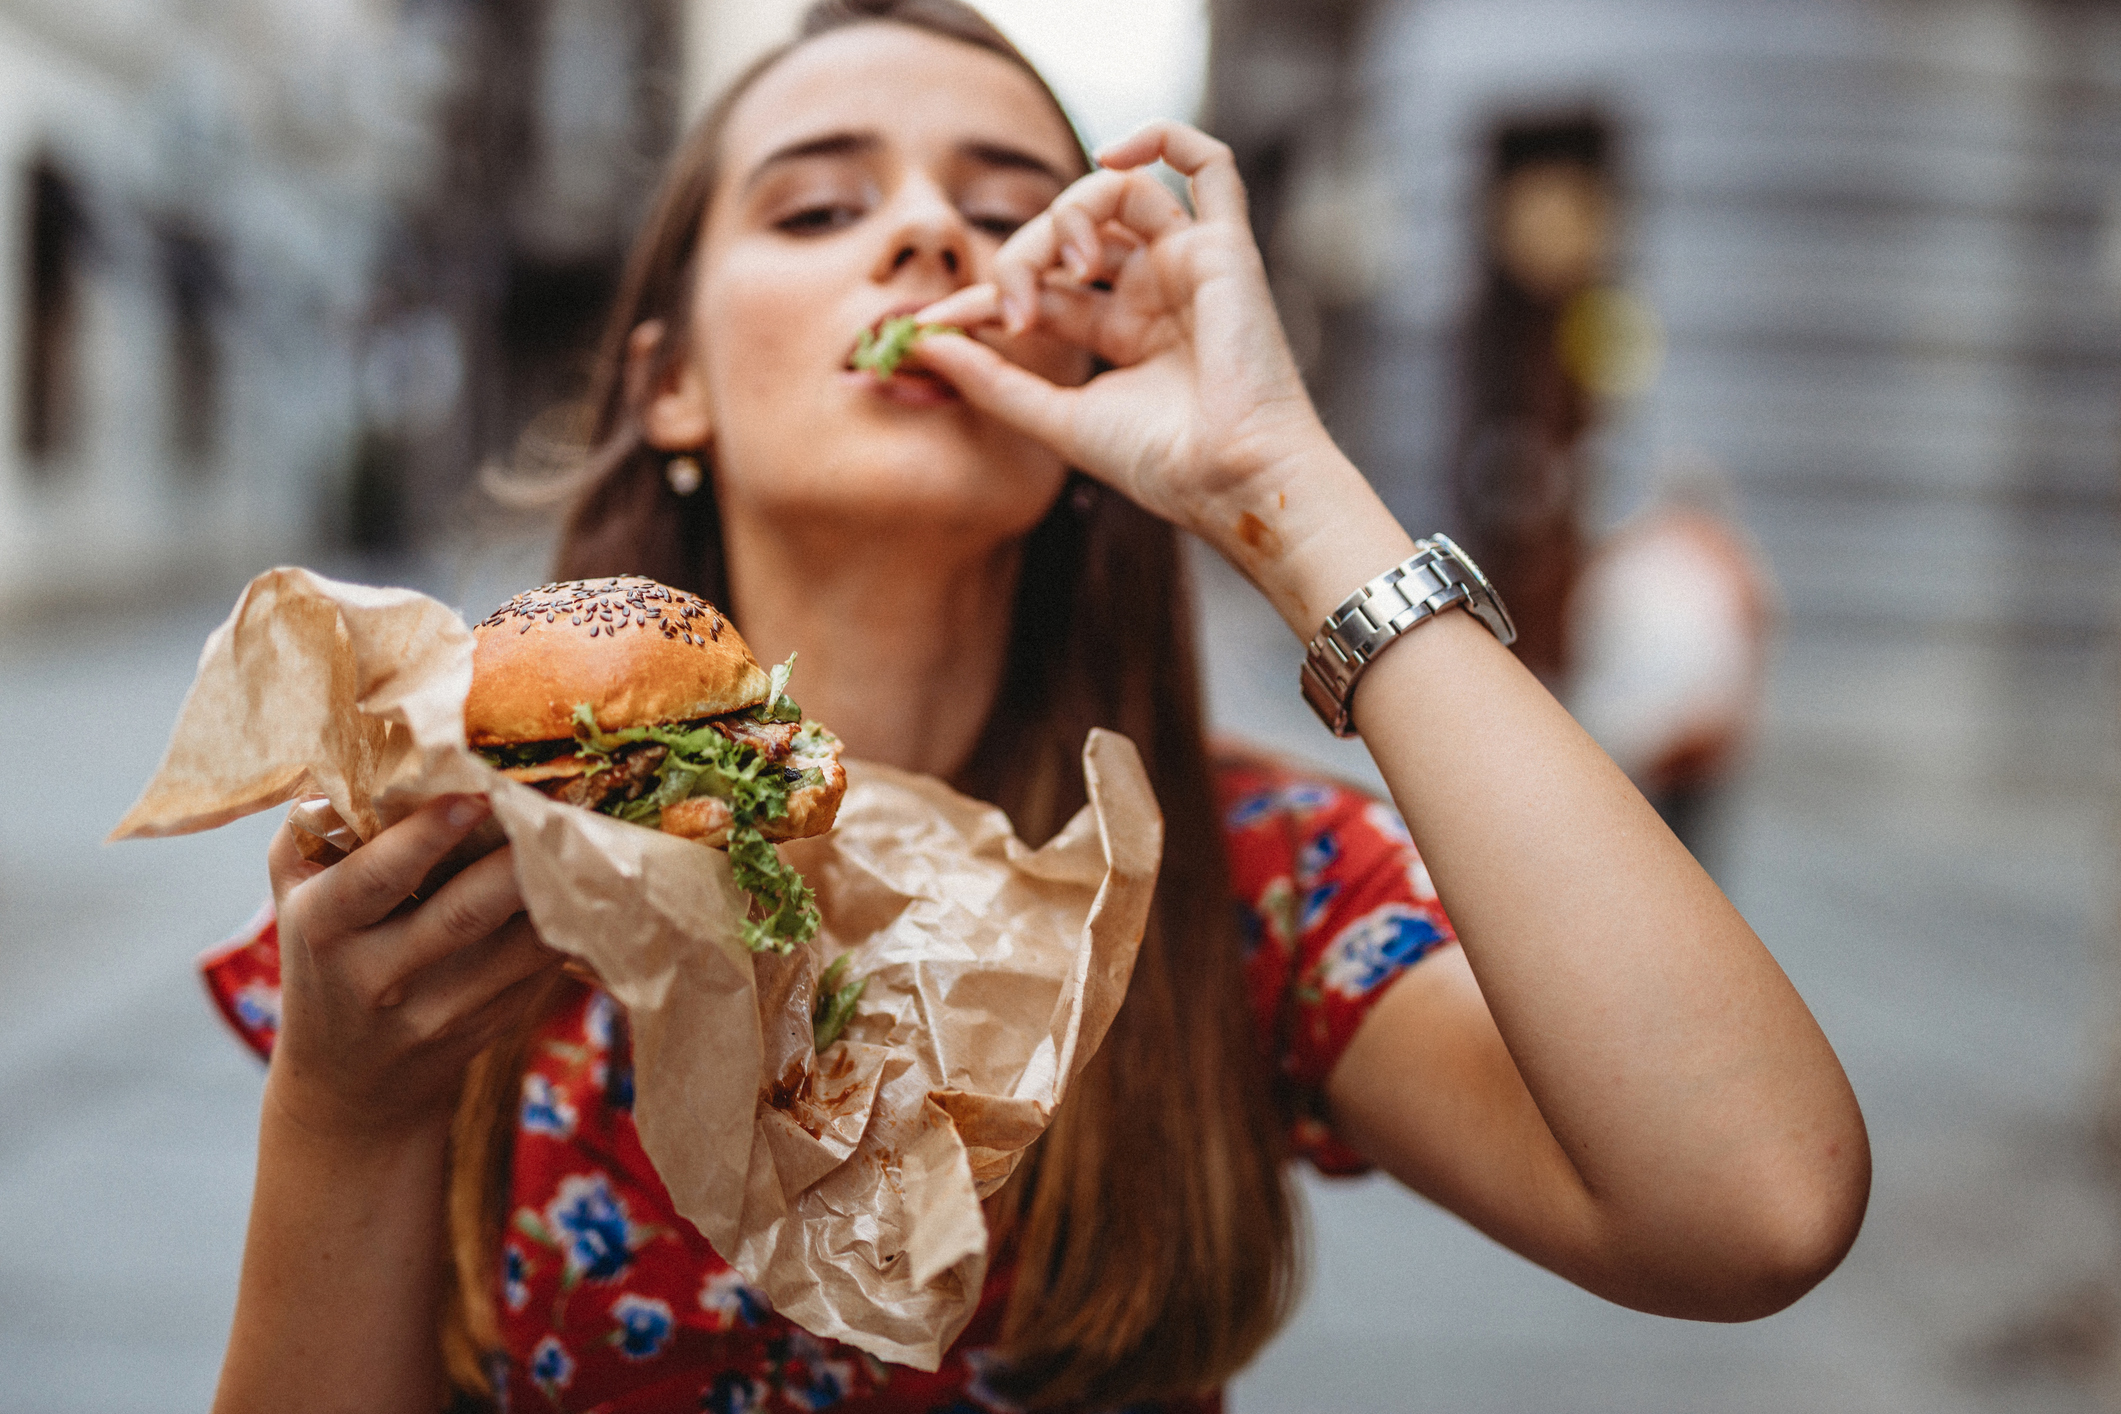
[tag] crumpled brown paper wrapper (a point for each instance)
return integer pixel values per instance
(848, 1191)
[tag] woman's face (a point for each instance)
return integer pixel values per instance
(870, 173)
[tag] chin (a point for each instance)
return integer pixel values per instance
(904, 481)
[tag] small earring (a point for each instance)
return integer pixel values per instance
(1082, 498)
(683, 474)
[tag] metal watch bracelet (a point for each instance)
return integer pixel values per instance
(1436, 577)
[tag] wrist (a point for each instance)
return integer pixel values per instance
(345, 1128)
(1436, 579)
(1307, 530)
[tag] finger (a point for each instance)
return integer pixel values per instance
(1067, 311)
(1003, 390)
(285, 865)
(1082, 249)
(1018, 267)
(1218, 192)
(505, 1009)
(466, 909)
(1135, 202)
(365, 886)
(440, 999)
(969, 308)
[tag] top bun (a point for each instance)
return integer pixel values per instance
(637, 652)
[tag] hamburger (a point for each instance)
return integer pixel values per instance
(633, 699)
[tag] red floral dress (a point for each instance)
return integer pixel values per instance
(612, 1302)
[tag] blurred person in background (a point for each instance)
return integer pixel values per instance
(1520, 470)
(1591, 1059)
(1657, 634)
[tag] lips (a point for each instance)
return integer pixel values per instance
(876, 326)
(908, 383)
(914, 387)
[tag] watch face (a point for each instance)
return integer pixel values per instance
(1492, 612)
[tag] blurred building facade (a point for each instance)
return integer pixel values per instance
(1868, 259)
(279, 273)
(186, 226)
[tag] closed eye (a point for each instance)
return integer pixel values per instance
(818, 220)
(999, 226)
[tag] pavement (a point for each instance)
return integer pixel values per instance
(1929, 863)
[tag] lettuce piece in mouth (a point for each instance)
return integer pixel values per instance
(882, 350)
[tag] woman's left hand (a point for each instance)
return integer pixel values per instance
(1203, 415)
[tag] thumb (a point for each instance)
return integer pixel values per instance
(1001, 389)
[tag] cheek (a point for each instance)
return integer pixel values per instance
(752, 347)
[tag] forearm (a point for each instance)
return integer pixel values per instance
(342, 1272)
(1700, 1113)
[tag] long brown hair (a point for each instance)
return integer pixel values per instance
(1153, 1232)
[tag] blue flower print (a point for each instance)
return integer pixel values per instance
(515, 1284)
(982, 1364)
(644, 1326)
(1250, 811)
(1298, 800)
(551, 1367)
(732, 1393)
(1316, 857)
(1375, 948)
(596, 1020)
(731, 1303)
(808, 1379)
(1277, 909)
(590, 1227)
(1316, 903)
(1385, 820)
(258, 1006)
(1305, 797)
(544, 1111)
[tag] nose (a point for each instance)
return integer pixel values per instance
(926, 238)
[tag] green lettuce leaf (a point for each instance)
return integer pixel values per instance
(701, 761)
(779, 706)
(835, 1003)
(882, 352)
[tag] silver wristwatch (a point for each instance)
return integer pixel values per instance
(1436, 577)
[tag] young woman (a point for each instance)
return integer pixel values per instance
(977, 559)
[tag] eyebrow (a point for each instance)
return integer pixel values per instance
(854, 144)
(994, 154)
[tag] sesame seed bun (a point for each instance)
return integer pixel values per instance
(637, 652)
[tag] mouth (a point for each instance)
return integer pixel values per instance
(880, 350)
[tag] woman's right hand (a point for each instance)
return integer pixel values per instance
(386, 999)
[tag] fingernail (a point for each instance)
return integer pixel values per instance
(466, 811)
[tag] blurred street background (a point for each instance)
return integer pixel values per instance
(1767, 356)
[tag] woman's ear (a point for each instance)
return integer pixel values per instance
(671, 394)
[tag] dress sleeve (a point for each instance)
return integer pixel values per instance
(242, 975)
(1335, 904)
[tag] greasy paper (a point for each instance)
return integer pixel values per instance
(847, 1189)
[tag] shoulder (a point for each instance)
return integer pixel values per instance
(1335, 904)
